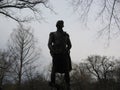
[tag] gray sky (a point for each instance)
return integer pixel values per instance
(84, 39)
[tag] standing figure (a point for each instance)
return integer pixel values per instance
(59, 45)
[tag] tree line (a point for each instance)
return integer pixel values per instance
(96, 72)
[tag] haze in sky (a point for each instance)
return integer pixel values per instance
(84, 38)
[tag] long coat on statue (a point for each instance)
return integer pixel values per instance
(59, 44)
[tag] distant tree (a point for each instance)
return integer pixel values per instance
(22, 46)
(80, 77)
(37, 82)
(117, 71)
(100, 66)
(104, 10)
(30, 76)
(5, 65)
(16, 9)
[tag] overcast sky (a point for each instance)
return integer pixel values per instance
(84, 39)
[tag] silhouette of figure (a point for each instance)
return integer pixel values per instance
(59, 44)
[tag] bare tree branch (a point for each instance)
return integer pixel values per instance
(8, 6)
(108, 9)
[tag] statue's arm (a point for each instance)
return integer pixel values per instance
(69, 45)
(50, 42)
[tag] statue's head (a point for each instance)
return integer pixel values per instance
(60, 24)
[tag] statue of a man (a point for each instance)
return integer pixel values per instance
(59, 44)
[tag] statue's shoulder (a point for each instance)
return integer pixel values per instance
(66, 34)
(52, 34)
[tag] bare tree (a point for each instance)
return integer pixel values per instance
(16, 9)
(100, 67)
(22, 46)
(5, 64)
(117, 71)
(80, 77)
(106, 10)
(81, 71)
